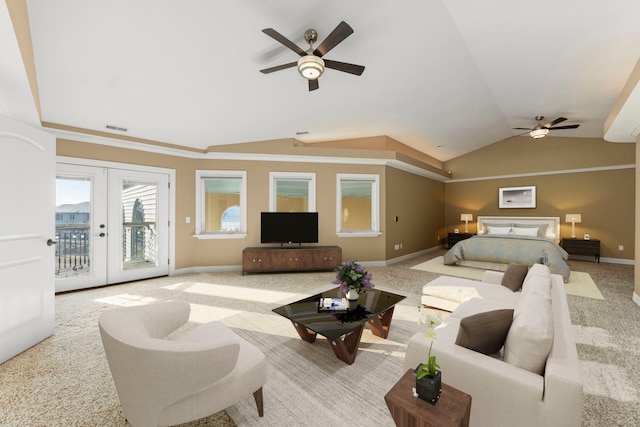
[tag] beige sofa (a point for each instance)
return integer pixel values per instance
(535, 378)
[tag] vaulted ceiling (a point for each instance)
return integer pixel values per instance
(445, 77)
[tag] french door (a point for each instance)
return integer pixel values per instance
(112, 225)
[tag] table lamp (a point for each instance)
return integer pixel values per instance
(573, 218)
(466, 218)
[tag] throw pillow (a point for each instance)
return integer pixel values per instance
(530, 336)
(514, 276)
(485, 332)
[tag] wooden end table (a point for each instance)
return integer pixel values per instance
(452, 409)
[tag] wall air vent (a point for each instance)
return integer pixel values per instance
(112, 127)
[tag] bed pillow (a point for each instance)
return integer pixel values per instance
(498, 230)
(542, 228)
(485, 332)
(520, 231)
(514, 276)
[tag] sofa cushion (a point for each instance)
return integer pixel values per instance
(538, 280)
(530, 336)
(485, 332)
(514, 276)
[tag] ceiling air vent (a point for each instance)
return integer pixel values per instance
(112, 127)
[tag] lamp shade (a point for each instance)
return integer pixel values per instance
(573, 218)
(466, 217)
(310, 67)
(538, 133)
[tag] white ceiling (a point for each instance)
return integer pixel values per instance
(452, 73)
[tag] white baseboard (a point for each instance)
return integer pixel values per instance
(412, 255)
(206, 269)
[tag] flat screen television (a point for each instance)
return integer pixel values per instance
(289, 227)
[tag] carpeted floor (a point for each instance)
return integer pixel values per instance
(65, 380)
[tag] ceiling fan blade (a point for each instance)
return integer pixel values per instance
(564, 127)
(343, 66)
(555, 122)
(278, 68)
(522, 129)
(285, 41)
(313, 85)
(341, 32)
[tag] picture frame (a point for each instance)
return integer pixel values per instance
(517, 197)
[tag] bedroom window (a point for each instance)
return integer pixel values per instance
(292, 192)
(221, 200)
(358, 206)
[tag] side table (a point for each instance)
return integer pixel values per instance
(575, 246)
(452, 409)
(453, 238)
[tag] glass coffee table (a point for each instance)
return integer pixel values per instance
(343, 329)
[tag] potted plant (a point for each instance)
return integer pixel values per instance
(353, 279)
(428, 375)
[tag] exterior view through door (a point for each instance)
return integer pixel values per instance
(112, 225)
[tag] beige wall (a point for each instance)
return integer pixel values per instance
(603, 192)
(418, 214)
(419, 205)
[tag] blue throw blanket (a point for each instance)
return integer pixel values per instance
(505, 249)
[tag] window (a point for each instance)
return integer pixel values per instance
(221, 204)
(358, 207)
(292, 192)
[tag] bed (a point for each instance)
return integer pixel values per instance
(503, 240)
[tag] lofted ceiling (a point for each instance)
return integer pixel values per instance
(445, 77)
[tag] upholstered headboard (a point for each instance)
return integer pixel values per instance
(552, 223)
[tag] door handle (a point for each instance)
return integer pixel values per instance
(51, 242)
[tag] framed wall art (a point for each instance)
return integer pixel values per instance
(517, 197)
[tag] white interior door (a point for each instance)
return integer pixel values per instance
(112, 225)
(27, 171)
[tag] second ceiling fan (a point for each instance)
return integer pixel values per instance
(540, 130)
(311, 64)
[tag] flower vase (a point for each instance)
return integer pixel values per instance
(352, 294)
(429, 388)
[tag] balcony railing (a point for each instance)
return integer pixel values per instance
(73, 254)
(72, 250)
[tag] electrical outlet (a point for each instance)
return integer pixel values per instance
(400, 245)
(620, 248)
(396, 247)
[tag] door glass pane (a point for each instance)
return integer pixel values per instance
(139, 230)
(73, 227)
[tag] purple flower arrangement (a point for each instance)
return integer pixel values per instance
(351, 275)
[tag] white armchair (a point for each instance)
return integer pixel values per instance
(166, 381)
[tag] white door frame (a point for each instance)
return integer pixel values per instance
(140, 168)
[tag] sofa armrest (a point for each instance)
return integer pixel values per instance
(502, 394)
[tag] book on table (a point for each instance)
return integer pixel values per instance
(333, 304)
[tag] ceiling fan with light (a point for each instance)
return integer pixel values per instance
(540, 130)
(311, 65)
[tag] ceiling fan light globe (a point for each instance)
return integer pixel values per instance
(310, 67)
(538, 133)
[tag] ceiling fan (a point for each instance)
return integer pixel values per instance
(540, 130)
(311, 65)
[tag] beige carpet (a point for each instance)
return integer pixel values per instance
(580, 283)
(65, 380)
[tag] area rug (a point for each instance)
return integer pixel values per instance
(580, 284)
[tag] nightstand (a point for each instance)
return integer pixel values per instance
(582, 247)
(453, 238)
